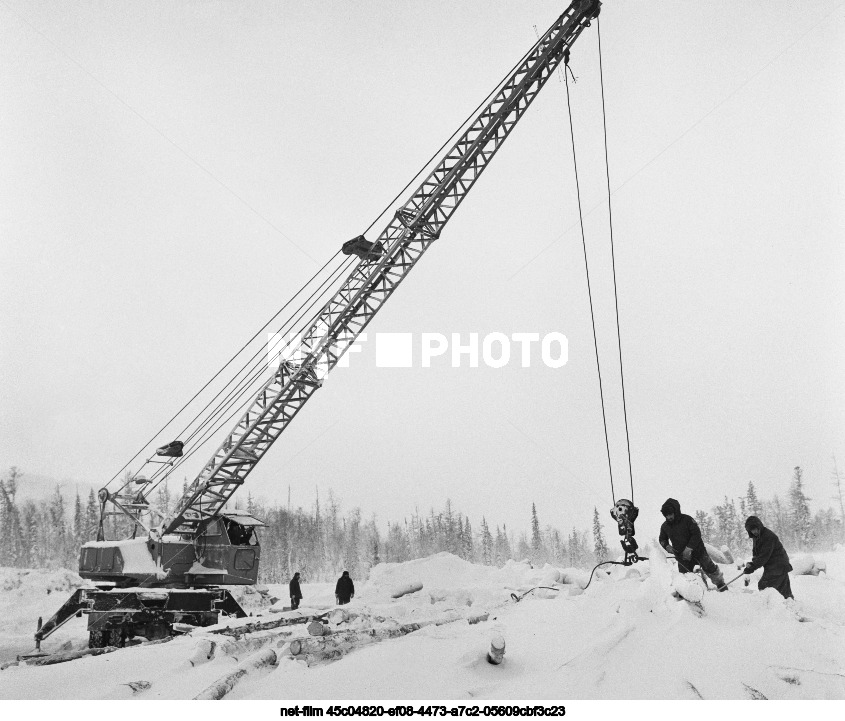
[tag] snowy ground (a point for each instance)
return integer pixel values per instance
(625, 637)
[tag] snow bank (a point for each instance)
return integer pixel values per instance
(627, 636)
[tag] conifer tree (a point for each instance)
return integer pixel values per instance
(536, 539)
(752, 504)
(799, 509)
(599, 545)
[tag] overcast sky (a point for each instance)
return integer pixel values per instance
(173, 171)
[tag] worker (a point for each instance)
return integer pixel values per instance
(344, 591)
(295, 592)
(681, 536)
(768, 553)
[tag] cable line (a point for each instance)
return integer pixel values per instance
(613, 261)
(589, 290)
(176, 415)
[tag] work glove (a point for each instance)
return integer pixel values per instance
(669, 549)
(748, 568)
(687, 554)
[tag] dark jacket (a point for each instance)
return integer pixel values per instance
(295, 591)
(344, 589)
(682, 533)
(768, 551)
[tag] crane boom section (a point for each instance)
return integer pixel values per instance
(414, 227)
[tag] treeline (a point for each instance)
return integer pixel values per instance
(790, 518)
(321, 541)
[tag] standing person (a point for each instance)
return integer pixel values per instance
(681, 536)
(295, 592)
(768, 553)
(344, 591)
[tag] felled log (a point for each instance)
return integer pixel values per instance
(138, 686)
(224, 685)
(689, 587)
(718, 555)
(263, 625)
(317, 628)
(807, 565)
(69, 656)
(404, 590)
(496, 654)
(203, 652)
(316, 649)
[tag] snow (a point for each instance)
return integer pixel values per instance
(136, 556)
(627, 636)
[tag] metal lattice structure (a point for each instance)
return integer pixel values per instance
(414, 227)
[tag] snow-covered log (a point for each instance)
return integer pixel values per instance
(496, 654)
(689, 587)
(203, 652)
(717, 555)
(237, 648)
(69, 656)
(477, 618)
(316, 649)
(318, 628)
(404, 590)
(222, 686)
(262, 625)
(807, 565)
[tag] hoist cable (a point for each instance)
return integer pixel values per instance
(225, 365)
(242, 386)
(613, 261)
(589, 290)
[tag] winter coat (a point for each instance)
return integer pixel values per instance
(768, 551)
(682, 533)
(295, 591)
(344, 589)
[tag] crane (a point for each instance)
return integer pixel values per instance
(173, 574)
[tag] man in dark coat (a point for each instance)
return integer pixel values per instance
(345, 589)
(681, 536)
(768, 553)
(295, 592)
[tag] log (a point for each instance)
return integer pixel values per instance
(224, 685)
(411, 587)
(318, 628)
(689, 587)
(496, 654)
(263, 625)
(718, 555)
(70, 656)
(237, 648)
(315, 649)
(73, 655)
(203, 652)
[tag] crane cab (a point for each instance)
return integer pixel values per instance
(226, 550)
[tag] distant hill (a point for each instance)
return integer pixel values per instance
(35, 486)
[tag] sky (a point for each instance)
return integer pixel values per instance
(174, 171)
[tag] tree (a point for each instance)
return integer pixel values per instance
(486, 543)
(706, 524)
(799, 509)
(752, 504)
(92, 516)
(536, 539)
(599, 545)
(837, 482)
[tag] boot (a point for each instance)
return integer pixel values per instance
(719, 579)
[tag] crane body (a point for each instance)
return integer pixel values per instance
(173, 571)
